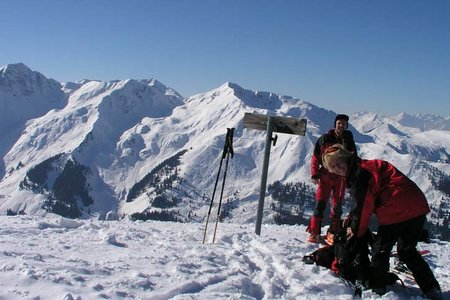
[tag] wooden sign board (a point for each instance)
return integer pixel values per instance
(280, 124)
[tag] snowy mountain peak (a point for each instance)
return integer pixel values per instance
(156, 84)
(231, 85)
(164, 89)
(15, 70)
(138, 147)
(26, 94)
(226, 88)
(256, 99)
(409, 121)
(20, 75)
(367, 121)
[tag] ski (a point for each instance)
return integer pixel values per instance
(407, 274)
(400, 267)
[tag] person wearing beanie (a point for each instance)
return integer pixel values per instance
(328, 183)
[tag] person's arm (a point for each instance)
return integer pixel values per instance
(364, 203)
(316, 160)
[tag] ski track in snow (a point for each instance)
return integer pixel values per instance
(57, 258)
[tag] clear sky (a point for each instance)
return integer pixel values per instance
(383, 56)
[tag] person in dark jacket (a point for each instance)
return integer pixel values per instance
(378, 187)
(326, 182)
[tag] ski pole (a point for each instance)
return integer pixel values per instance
(212, 199)
(225, 149)
(228, 153)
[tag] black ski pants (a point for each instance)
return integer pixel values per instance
(406, 235)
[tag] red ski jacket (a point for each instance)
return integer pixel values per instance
(377, 187)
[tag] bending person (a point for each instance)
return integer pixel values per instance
(377, 187)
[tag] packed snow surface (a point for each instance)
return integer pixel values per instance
(52, 257)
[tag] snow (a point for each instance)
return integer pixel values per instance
(30, 91)
(51, 257)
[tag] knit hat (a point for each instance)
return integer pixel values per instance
(341, 117)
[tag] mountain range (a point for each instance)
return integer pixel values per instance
(138, 148)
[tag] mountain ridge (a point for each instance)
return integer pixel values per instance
(114, 134)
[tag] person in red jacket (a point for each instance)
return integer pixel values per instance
(326, 182)
(378, 187)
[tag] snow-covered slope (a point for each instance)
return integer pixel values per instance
(86, 130)
(52, 258)
(199, 127)
(28, 90)
(119, 145)
(24, 95)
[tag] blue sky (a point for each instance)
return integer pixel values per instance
(384, 56)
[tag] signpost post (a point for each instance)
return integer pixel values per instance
(271, 124)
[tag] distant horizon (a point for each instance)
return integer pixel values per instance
(385, 57)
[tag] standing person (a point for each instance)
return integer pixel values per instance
(377, 187)
(326, 182)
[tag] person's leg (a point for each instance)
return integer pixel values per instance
(315, 224)
(336, 203)
(381, 251)
(335, 217)
(407, 252)
(322, 195)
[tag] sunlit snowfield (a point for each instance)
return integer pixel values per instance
(56, 258)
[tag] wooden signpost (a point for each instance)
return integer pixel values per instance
(271, 124)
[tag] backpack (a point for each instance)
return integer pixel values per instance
(349, 259)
